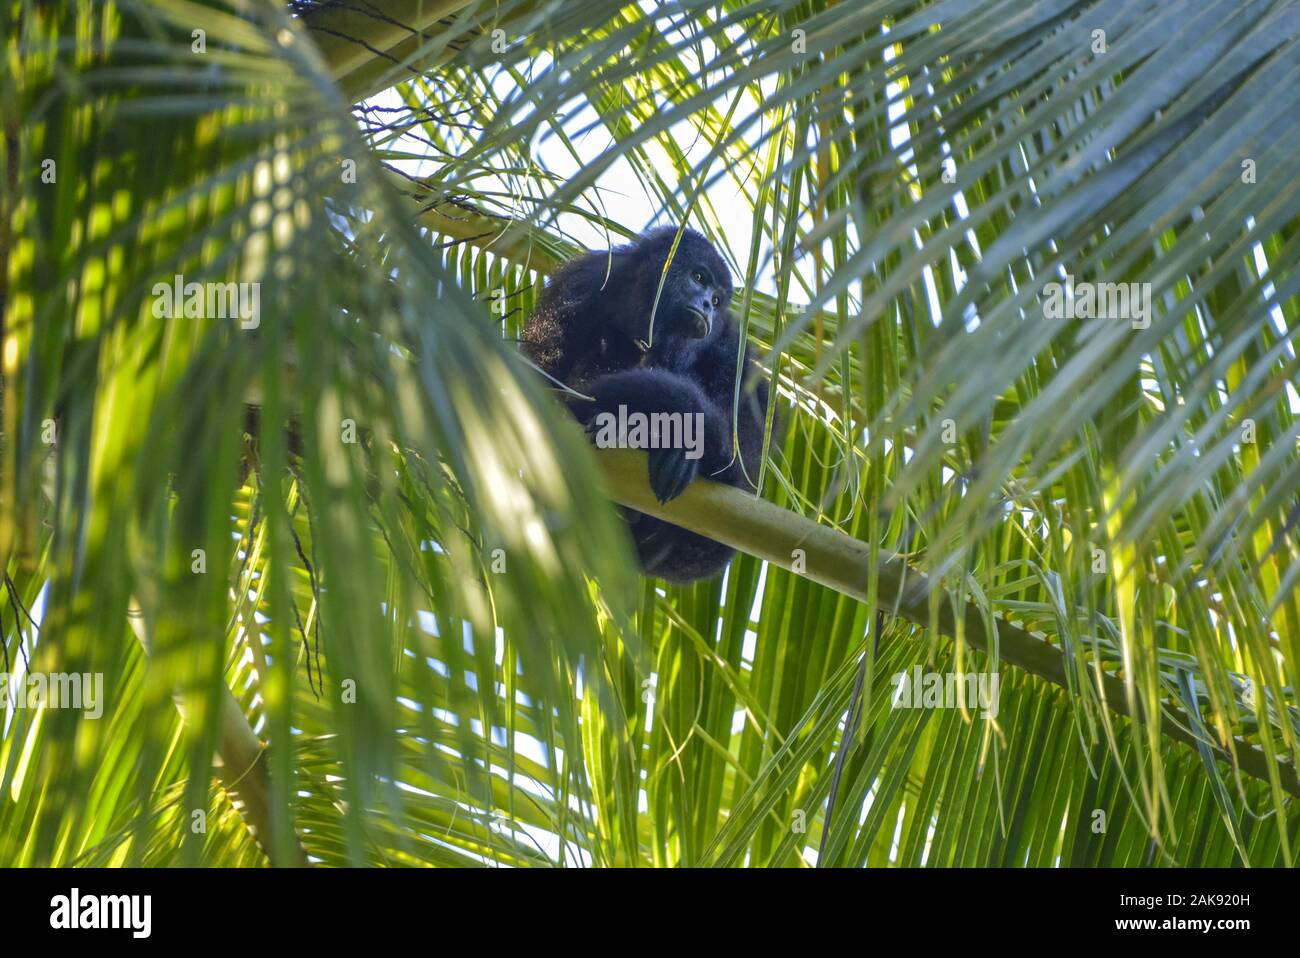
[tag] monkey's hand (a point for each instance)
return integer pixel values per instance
(671, 472)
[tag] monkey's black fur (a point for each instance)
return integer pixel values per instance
(592, 331)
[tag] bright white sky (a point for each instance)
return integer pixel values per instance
(620, 193)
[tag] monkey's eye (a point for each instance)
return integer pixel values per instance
(698, 277)
(716, 300)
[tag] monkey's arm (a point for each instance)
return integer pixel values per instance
(650, 391)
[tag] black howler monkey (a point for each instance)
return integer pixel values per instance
(606, 329)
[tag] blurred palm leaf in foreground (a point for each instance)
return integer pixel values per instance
(352, 527)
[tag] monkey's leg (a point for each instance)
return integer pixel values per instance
(676, 554)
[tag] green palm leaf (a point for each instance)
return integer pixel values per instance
(368, 558)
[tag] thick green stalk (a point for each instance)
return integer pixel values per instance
(842, 563)
(241, 762)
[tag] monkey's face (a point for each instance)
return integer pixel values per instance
(695, 294)
(700, 298)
